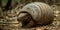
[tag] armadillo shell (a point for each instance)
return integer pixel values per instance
(40, 12)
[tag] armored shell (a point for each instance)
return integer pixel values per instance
(41, 13)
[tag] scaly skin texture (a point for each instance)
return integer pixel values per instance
(38, 14)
